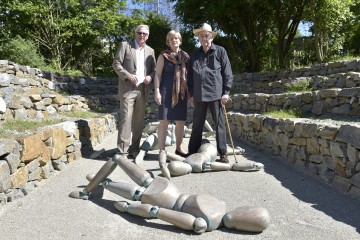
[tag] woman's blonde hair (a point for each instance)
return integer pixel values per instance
(173, 34)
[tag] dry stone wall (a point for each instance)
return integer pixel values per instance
(28, 159)
(344, 74)
(327, 150)
(27, 92)
(340, 101)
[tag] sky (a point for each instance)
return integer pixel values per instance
(304, 28)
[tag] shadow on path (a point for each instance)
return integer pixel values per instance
(309, 189)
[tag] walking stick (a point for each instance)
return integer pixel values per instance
(228, 127)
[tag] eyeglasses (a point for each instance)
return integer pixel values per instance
(142, 33)
(206, 36)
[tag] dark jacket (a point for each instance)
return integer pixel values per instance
(209, 74)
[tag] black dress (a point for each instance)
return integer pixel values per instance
(165, 111)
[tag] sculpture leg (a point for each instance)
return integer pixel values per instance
(162, 163)
(237, 150)
(216, 166)
(174, 157)
(124, 189)
(103, 173)
(252, 219)
(138, 175)
(151, 127)
(145, 147)
(172, 134)
(247, 166)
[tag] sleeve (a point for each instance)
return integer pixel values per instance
(190, 80)
(158, 73)
(118, 61)
(226, 72)
(153, 65)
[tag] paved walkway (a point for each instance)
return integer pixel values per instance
(301, 207)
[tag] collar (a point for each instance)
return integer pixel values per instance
(212, 48)
(137, 46)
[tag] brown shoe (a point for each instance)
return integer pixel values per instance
(224, 159)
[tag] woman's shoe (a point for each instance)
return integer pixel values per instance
(181, 154)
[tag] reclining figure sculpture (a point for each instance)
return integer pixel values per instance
(202, 161)
(159, 198)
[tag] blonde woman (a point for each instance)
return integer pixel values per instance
(171, 90)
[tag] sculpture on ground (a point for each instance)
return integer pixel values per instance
(204, 160)
(159, 198)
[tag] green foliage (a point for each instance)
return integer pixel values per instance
(23, 52)
(301, 84)
(254, 30)
(159, 27)
(63, 29)
(328, 18)
(257, 34)
(283, 113)
(339, 58)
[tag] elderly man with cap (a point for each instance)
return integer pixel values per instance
(209, 81)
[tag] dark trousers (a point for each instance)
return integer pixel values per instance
(199, 118)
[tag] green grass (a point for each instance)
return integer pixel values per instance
(289, 113)
(19, 125)
(80, 114)
(24, 125)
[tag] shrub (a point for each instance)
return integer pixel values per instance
(301, 84)
(22, 51)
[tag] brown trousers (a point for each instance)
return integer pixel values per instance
(132, 112)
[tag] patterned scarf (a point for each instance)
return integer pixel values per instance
(180, 78)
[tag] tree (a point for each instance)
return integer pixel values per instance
(251, 26)
(352, 30)
(328, 18)
(61, 27)
(287, 17)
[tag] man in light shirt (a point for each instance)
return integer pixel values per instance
(134, 63)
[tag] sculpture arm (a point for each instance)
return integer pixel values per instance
(180, 219)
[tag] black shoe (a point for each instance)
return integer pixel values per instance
(133, 154)
(181, 154)
(224, 159)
